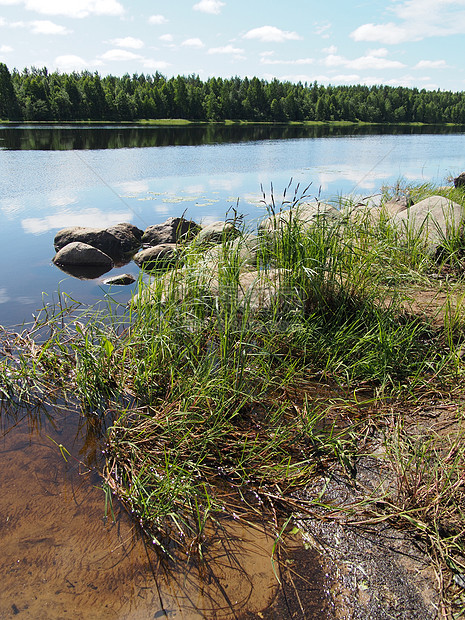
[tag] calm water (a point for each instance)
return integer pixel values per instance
(52, 178)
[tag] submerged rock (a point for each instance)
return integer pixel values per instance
(174, 230)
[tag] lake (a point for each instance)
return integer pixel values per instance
(54, 177)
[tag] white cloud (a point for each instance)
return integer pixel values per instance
(332, 49)
(226, 49)
(71, 8)
(168, 38)
(195, 42)
(418, 19)
(209, 6)
(292, 78)
(431, 64)
(5, 49)
(373, 60)
(45, 26)
(298, 61)
(2, 21)
(389, 34)
(119, 55)
(155, 65)
(157, 20)
(271, 34)
(70, 62)
(322, 30)
(129, 42)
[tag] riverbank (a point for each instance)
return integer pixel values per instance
(253, 407)
(182, 122)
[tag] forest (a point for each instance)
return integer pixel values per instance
(39, 95)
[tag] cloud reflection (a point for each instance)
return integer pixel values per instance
(4, 297)
(94, 218)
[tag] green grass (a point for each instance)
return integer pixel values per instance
(224, 407)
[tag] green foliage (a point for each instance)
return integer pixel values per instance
(36, 94)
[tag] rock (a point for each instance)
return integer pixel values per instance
(174, 230)
(217, 232)
(246, 249)
(115, 241)
(256, 291)
(120, 280)
(460, 180)
(82, 261)
(305, 215)
(434, 219)
(157, 257)
(373, 213)
(128, 235)
(77, 253)
(397, 204)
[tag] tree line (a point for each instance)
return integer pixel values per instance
(39, 95)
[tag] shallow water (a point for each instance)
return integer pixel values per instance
(61, 558)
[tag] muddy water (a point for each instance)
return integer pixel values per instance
(60, 558)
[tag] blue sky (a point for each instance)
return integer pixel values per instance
(397, 42)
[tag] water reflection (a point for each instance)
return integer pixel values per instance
(94, 137)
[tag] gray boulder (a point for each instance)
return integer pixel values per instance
(217, 232)
(304, 215)
(158, 257)
(256, 291)
(116, 241)
(434, 220)
(77, 253)
(246, 250)
(174, 230)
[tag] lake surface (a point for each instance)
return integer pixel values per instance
(54, 177)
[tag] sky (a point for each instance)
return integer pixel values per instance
(414, 43)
